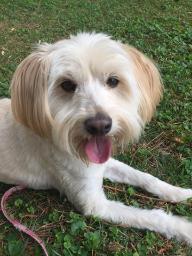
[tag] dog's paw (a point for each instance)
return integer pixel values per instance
(187, 236)
(179, 228)
(181, 195)
(176, 195)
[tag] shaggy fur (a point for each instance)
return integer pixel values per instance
(46, 144)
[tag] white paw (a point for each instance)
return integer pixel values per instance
(183, 195)
(187, 235)
(180, 228)
(177, 195)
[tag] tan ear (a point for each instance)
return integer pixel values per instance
(148, 80)
(29, 94)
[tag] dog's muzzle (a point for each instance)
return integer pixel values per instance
(98, 147)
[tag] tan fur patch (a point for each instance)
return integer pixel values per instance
(148, 80)
(29, 94)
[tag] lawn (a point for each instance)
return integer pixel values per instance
(162, 30)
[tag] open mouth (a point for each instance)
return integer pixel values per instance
(98, 149)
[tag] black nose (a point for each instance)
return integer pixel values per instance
(100, 124)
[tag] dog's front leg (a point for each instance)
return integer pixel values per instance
(120, 172)
(155, 220)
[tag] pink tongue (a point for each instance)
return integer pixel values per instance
(98, 149)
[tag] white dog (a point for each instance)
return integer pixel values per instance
(72, 104)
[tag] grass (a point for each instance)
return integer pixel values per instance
(163, 31)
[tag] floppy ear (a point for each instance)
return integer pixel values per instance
(148, 81)
(29, 93)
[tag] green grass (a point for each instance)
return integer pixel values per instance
(162, 30)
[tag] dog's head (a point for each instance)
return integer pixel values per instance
(87, 94)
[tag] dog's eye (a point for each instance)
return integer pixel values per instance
(112, 82)
(68, 86)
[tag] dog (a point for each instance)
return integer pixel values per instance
(73, 104)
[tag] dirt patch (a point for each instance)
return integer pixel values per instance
(3, 25)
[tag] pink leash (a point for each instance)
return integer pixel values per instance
(15, 223)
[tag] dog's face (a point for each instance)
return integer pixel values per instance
(87, 93)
